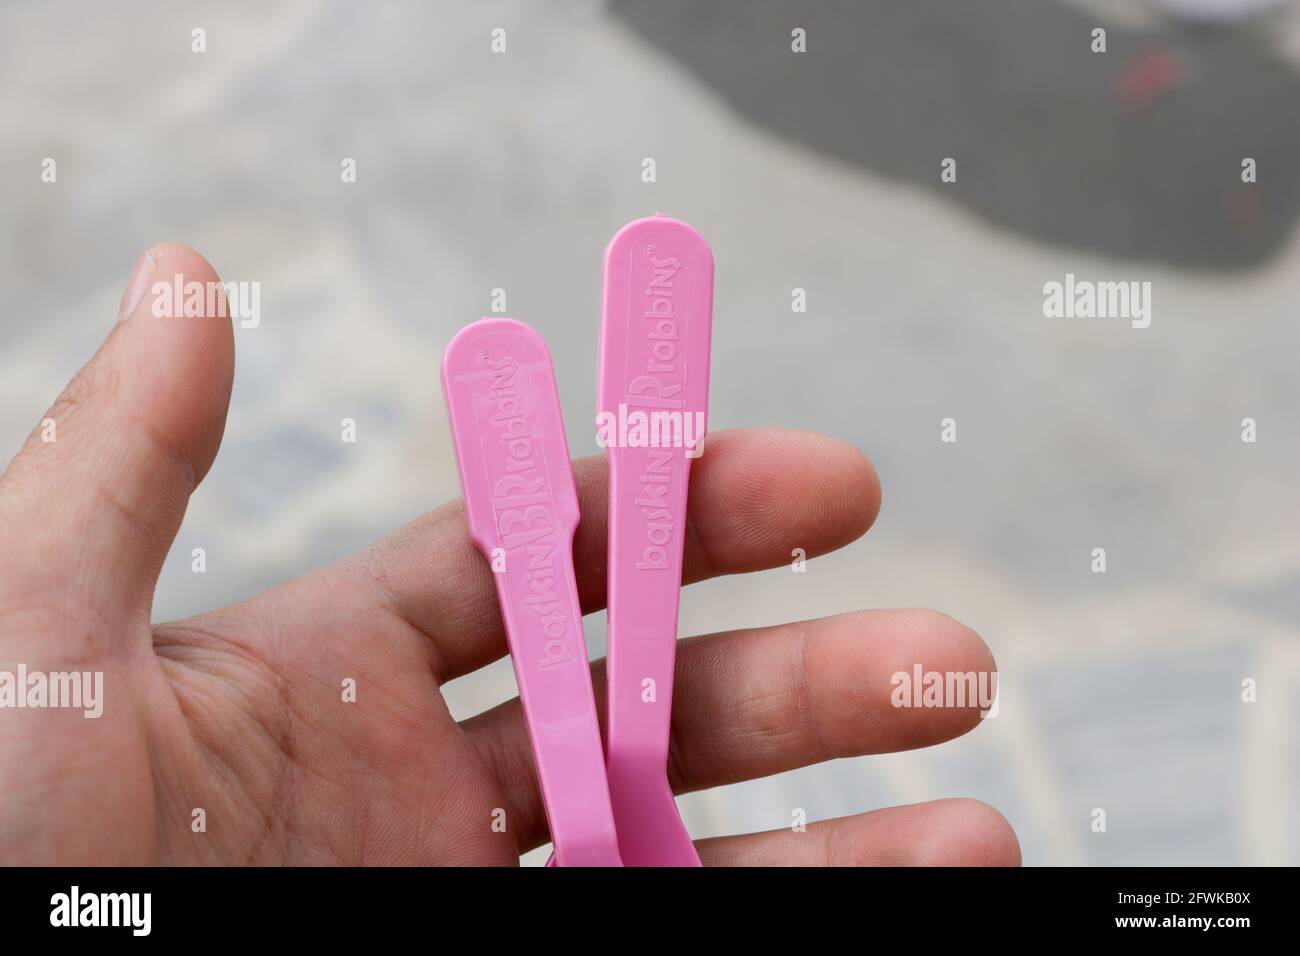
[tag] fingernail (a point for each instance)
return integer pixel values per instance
(138, 284)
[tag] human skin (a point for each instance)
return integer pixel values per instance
(240, 711)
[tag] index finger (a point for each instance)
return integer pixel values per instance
(755, 496)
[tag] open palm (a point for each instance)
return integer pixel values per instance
(240, 712)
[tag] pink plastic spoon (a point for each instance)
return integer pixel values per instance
(656, 319)
(522, 510)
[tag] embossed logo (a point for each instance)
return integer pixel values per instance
(658, 389)
(523, 510)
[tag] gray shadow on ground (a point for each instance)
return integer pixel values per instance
(1135, 152)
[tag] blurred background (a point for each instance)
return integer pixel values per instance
(819, 171)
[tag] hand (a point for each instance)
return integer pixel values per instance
(240, 712)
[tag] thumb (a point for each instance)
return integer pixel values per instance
(90, 505)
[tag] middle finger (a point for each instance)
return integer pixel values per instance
(761, 701)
